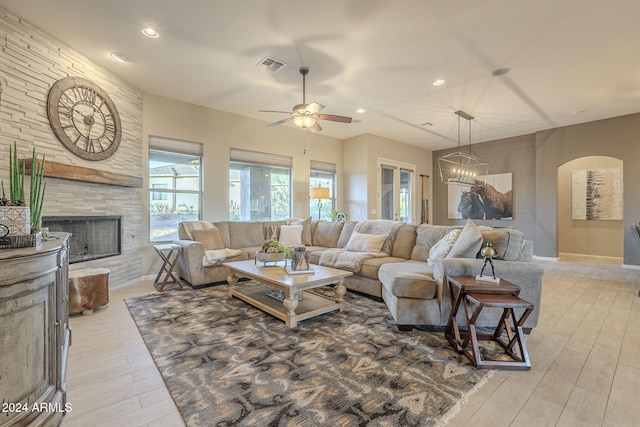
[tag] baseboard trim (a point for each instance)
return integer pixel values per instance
(631, 266)
(545, 258)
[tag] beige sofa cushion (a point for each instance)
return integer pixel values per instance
(427, 235)
(245, 234)
(223, 229)
(370, 268)
(345, 234)
(187, 228)
(468, 243)
(307, 236)
(210, 238)
(405, 241)
(327, 234)
(507, 242)
(410, 279)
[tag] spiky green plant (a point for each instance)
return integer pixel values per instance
(16, 178)
(36, 192)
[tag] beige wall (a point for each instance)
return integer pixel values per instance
(361, 172)
(601, 238)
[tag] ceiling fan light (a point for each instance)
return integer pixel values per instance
(304, 121)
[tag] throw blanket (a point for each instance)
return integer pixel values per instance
(353, 261)
(214, 256)
(347, 260)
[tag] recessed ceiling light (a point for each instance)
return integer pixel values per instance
(577, 112)
(150, 32)
(500, 72)
(360, 110)
(439, 82)
(118, 57)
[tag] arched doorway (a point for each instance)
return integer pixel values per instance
(586, 237)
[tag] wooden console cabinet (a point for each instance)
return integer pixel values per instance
(34, 333)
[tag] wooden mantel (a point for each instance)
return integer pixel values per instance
(79, 173)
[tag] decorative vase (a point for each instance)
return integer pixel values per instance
(299, 259)
(17, 219)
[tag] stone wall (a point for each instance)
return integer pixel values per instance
(30, 62)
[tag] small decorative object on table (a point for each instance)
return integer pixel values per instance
(272, 252)
(299, 261)
(488, 253)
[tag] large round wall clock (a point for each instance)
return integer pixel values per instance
(84, 119)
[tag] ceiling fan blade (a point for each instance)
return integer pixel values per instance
(279, 122)
(315, 128)
(331, 117)
(313, 108)
(274, 111)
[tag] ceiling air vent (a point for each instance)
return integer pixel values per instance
(271, 64)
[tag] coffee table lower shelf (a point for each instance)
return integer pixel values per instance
(291, 310)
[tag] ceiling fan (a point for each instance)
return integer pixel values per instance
(305, 115)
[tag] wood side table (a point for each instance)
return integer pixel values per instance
(170, 254)
(467, 291)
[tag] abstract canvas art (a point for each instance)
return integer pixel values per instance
(597, 194)
(493, 200)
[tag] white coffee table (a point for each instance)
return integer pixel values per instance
(290, 309)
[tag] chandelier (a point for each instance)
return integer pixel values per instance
(463, 168)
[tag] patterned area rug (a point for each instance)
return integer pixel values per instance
(227, 363)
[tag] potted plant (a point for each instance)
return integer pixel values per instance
(339, 216)
(272, 251)
(14, 213)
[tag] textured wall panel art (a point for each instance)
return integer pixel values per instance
(596, 194)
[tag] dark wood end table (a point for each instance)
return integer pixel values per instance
(469, 292)
(170, 253)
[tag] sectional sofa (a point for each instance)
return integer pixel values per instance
(408, 270)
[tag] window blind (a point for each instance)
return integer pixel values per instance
(319, 166)
(175, 146)
(256, 158)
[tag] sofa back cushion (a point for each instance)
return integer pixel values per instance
(327, 233)
(345, 234)
(244, 234)
(405, 241)
(185, 228)
(223, 229)
(427, 235)
(507, 242)
(210, 238)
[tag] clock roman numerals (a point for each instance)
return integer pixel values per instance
(84, 118)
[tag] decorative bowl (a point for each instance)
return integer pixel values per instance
(270, 257)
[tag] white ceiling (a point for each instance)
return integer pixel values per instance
(380, 55)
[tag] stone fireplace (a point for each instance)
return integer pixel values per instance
(92, 237)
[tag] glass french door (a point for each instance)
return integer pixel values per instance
(395, 190)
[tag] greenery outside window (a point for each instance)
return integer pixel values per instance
(259, 186)
(175, 186)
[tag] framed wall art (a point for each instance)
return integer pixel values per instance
(597, 194)
(493, 200)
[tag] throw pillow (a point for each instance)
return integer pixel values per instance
(306, 230)
(360, 242)
(291, 235)
(469, 242)
(210, 238)
(271, 232)
(442, 248)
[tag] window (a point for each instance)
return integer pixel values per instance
(259, 186)
(157, 195)
(322, 174)
(175, 186)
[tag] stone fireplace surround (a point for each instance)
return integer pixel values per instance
(30, 62)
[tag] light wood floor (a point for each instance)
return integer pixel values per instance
(585, 354)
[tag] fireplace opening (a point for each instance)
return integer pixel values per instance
(92, 237)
